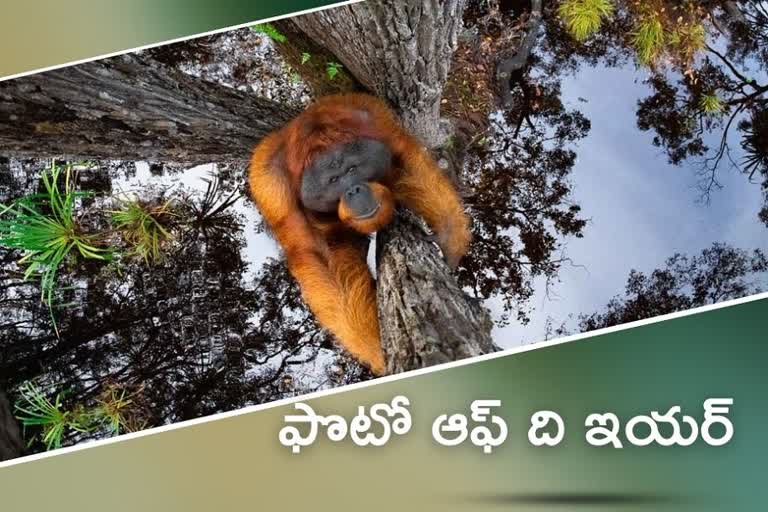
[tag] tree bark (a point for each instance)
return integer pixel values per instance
(314, 71)
(127, 108)
(399, 50)
(425, 318)
(11, 444)
(519, 59)
(733, 10)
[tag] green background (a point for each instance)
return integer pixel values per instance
(39, 33)
(237, 463)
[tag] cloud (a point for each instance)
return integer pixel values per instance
(642, 209)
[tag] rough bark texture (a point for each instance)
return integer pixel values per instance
(10, 437)
(314, 72)
(127, 108)
(733, 10)
(425, 317)
(519, 60)
(400, 50)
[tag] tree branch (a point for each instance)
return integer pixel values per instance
(518, 61)
(425, 317)
(132, 108)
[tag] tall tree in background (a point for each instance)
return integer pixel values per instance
(189, 336)
(718, 273)
(487, 100)
(132, 108)
(707, 62)
(10, 438)
(513, 170)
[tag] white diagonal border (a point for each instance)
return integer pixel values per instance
(384, 380)
(177, 40)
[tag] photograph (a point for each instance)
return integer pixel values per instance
(292, 206)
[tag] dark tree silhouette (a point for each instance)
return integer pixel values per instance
(685, 117)
(193, 336)
(707, 99)
(133, 107)
(718, 273)
(202, 333)
(11, 443)
(188, 337)
(520, 200)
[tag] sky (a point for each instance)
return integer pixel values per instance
(641, 209)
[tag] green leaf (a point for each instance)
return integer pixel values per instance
(332, 69)
(270, 31)
(583, 18)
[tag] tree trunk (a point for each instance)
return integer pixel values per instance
(519, 59)
(733, 10)
(425, 318)
(400, 50)
(314, 71)
(11, 445)
(127, 108)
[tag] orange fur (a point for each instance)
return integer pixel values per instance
(326, 257)
(372, 224)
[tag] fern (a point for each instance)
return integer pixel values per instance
(270, 31)
(583, 18)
